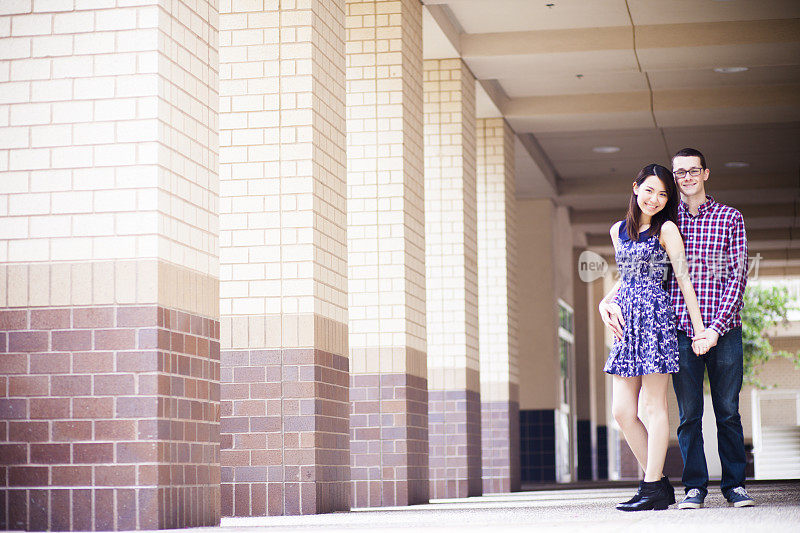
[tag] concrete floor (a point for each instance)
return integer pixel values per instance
(584, 509)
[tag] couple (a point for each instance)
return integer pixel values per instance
(678, 331)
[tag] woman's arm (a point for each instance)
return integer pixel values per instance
(610, 312)
(673, 243)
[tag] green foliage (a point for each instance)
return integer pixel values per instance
(763, 308)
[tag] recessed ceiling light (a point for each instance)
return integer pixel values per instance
(606, 149)
(730, 70)
(737, 164)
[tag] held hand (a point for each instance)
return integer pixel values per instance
(704, 341)
(612, 317)
(700, 346)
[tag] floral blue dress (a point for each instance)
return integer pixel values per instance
(650, 343)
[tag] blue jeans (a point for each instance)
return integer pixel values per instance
(724, 364)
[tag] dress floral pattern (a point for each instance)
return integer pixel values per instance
(650, 343)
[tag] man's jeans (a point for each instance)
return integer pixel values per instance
(724, 363)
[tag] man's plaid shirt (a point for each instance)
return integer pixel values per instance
(716, 251)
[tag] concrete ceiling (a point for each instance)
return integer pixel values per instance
(571, 75)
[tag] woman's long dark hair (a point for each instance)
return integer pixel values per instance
(670, 211)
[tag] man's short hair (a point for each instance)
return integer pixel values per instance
(691, 152)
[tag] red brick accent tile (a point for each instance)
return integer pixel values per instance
(49, 319)
(95, 452)
(72, 340)
(28, 476)
(70, 431)
(103, 509)
(50, 453)
(113, 384)
(13, 454)
(115, 430)
(49, 408)
(11, 320)
(13, 363)
(82, 510)
(70, 385)
(145, 316)
(109, 476)
(92, 362)
(114, 339)
(93, 317)
(38, 510)
(28, 431)
(60, 518)
(28, 386)
(28, 341)
(50, 363)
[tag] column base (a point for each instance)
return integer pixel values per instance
(389, 439)
(455, 443)
(111, 421)
(284, 432)
(500, 446)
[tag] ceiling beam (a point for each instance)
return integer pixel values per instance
(689, 35)
(665, 100)
(447, 23)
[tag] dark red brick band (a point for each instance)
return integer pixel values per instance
(109, 419)
(388, 439)
(284, 432)
(500, 446)
(454, 418)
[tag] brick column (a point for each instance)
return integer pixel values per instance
(285, 445)
(386, 250)
(498, 309)
(452, 279)
(109, 376)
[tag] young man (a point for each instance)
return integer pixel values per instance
(716, 251)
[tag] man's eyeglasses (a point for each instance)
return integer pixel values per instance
(693, 172)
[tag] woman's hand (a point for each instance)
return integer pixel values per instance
(700, 343)
(612, 317)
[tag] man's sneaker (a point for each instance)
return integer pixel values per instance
(739, 498)
(693, 500)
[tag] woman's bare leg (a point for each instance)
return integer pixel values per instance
(625, 405)
(654, 394)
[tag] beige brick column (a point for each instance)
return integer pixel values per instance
(498, 309)
(386, 250)
(451, 260)
(285, 446)
(109, 327)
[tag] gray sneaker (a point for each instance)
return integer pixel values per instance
(739, 498)
(693, 500)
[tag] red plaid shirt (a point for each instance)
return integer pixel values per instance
(716, 251)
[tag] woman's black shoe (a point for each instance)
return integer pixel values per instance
(653, 497)
(636, 497)
(669, 489)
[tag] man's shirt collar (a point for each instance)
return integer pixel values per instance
(705, 206)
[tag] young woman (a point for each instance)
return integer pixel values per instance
(640, 314)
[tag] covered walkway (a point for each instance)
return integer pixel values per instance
(587, 509)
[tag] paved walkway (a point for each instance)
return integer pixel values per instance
(778, 510)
